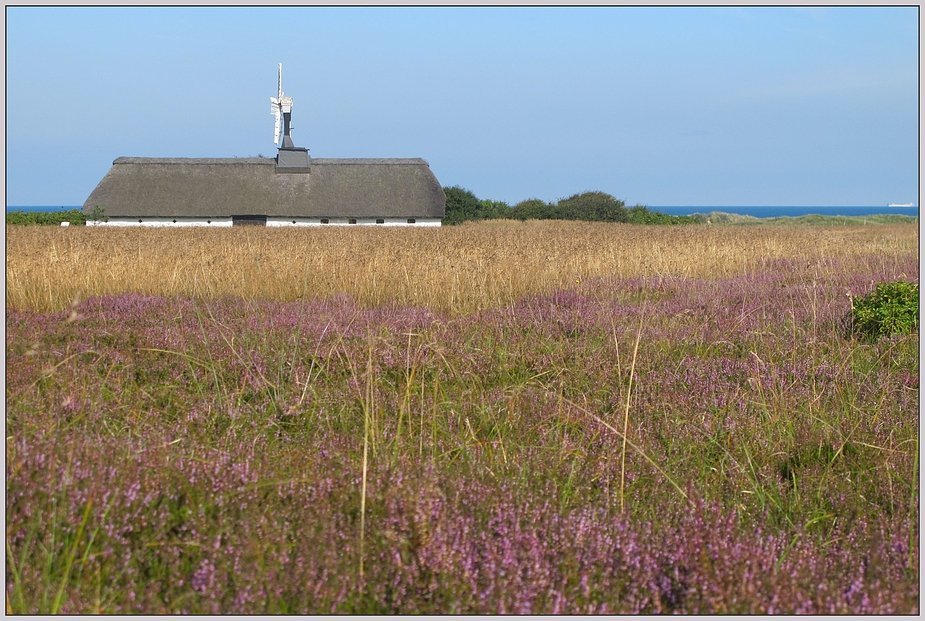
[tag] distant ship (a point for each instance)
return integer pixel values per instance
(901, 205)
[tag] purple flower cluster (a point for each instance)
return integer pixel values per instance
(216, 450)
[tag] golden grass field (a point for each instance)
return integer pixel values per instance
(456, 269)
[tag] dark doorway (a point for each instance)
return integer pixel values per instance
(249, 220)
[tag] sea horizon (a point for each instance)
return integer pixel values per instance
(757, 211)
(778, 211)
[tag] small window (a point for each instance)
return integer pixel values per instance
(324, 221)
(410, 220)
(352, 221)
(380, 221)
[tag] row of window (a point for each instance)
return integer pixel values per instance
(354, 221)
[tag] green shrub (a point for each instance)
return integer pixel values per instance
(532, 209)
(588, 206)
(50, 218)
(892, 308)
(98, 214)
(593, 207)
(17, 217)
(492, 210)
(640, 214)
(461, 205)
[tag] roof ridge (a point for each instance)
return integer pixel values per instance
(194, 160)
(366, 161)
(341, 161)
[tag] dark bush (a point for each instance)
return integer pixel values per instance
(492, 210)
(461, 205)
(532, 209)
(593, 207)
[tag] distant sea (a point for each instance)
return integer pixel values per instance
(776, 212)
(758, 212)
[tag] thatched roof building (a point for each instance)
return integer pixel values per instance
(220, 191)
(290, 189)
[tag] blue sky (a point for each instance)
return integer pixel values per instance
(658, 106)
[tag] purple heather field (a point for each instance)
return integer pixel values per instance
(207, 455)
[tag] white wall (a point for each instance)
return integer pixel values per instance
(271, 221)
(162, 222)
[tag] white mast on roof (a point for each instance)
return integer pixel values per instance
(289, 158)
(281, 107)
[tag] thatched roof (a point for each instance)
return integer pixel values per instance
(220, 187)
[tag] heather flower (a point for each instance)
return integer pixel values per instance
(218, 444)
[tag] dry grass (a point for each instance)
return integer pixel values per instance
(457, 269)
